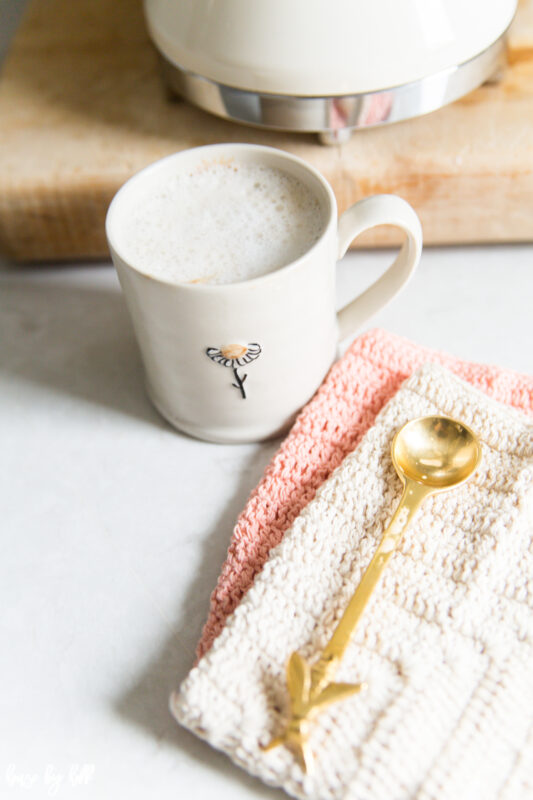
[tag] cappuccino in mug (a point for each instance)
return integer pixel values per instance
(226, 256)
(222, 221)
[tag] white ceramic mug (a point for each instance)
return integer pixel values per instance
(235, 362)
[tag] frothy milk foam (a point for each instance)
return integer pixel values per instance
(221, 222)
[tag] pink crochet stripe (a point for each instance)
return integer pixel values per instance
(328, 428)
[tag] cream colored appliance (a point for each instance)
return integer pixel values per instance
(328, 66)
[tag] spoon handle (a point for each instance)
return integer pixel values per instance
(412, 497)
(312, 688)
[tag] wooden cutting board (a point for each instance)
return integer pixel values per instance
(82, 107)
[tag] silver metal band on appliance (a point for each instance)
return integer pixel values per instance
(336, 116)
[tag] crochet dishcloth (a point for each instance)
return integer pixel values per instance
(329, 427)
(445, 645)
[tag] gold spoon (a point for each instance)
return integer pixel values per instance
(430, 454)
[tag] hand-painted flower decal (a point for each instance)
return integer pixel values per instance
(235, 355)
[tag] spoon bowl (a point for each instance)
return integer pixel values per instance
(437, 452)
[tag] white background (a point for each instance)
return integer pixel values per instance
(114, 526)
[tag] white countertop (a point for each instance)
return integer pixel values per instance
(115, 526)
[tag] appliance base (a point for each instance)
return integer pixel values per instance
(334, 118)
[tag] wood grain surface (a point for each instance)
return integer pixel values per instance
(82, 107)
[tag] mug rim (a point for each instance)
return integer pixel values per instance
(330, 217)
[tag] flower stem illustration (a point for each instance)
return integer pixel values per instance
(234, 356)
(240, 382)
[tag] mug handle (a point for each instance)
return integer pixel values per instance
(381, 209)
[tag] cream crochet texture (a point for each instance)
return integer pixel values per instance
(445, 645)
